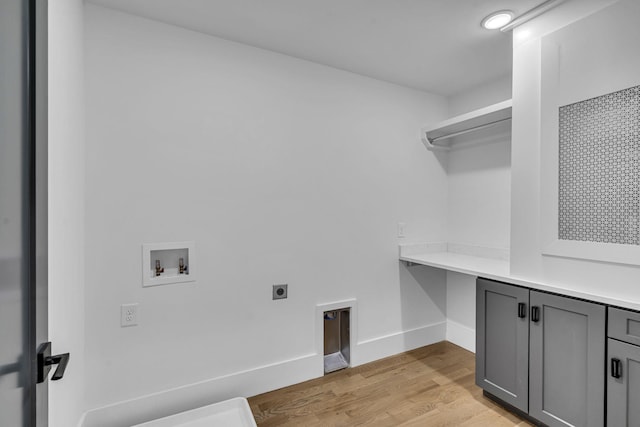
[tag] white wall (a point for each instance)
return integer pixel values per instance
(461, 310)
(479, 192)
(66, 207)
(479, 197)
(481, 96)
(282, 171)
(479, 174)
(608, 48)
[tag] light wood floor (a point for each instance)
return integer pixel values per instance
(429, 386)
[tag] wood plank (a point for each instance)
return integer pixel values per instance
(428, 386)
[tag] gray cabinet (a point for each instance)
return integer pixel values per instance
(541, 353)
(566, 359)
(502, 342)
(623, 379)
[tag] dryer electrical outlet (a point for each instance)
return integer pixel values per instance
(279, 291)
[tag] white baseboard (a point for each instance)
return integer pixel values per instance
(241, 384)
(254, 381)
(388, 345)
(461, 335)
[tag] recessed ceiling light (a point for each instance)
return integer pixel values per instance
(497, 19)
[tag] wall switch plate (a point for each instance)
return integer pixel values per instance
(401, 228)
(129, 314)
(280, 291)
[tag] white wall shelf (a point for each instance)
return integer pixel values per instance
(490, 265)
(467, 259)
(437, 136)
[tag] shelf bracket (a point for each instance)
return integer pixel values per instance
(428, 142)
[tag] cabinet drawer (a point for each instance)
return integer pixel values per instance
(624, 325)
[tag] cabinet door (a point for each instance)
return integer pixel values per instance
(623, 392)
(502, 341)
(567, 356)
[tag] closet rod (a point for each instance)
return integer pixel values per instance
(462, 132)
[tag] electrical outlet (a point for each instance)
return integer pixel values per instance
(129, 314)
(280, 291)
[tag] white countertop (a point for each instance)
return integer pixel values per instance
(491, 268)
(495, 268)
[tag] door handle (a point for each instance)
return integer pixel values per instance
(535, 313)
(616, 368)
(46, 360)
(522, 310)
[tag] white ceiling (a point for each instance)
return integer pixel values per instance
(434, 45)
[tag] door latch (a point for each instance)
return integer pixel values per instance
(46, 360)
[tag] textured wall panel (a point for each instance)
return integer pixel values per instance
(599, 167)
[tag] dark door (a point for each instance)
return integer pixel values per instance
(23, 210)
(502, 341)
